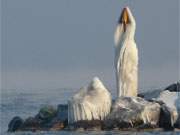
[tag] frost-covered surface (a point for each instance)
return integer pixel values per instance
(92, 102)
(133, 111)
(171, 99)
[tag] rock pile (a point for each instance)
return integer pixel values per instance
(48, 118)
(155, 109)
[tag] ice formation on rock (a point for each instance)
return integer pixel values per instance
(126, 55)
(90, 103)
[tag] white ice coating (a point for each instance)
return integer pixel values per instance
(90, 103)
(171, 99)
(134, 109)
(126, 58)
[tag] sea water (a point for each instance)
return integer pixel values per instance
(25, 103)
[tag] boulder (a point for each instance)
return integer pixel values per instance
(61, 120)
(177, 124)
(15, 124)
(132, 112)
(48, 118)
(46, 113)
(62, 112)
(169, 99)
(90, 103)
(172, 101)
(31, 124)
(168, 117)
(173, 87)
(151, 94)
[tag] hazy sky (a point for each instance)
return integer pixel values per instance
(49, 44)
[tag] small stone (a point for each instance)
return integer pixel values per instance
(147, 126)
(57, 126)
(88, 124)
(79, 129)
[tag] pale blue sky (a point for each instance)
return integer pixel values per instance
(49, 44)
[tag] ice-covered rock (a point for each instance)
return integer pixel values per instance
(130, 112)
(89, 103)
(170, 108)
(168, 117)
(171, 99)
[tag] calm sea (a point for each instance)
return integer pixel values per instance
(26, 103)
